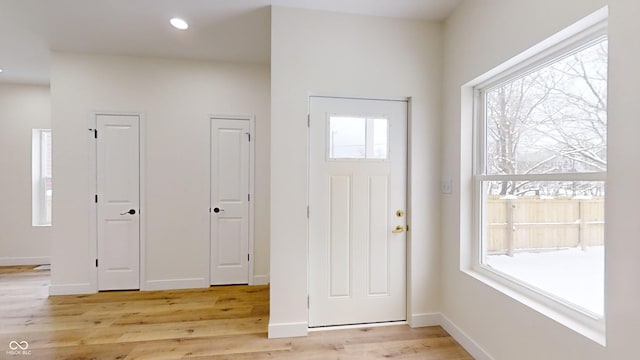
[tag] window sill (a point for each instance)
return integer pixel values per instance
(582, 322)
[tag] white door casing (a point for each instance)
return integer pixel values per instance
(357, 211)
(230, 201)
(118, 201)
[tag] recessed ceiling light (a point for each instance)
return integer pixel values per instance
(0, 70)
(179, 23)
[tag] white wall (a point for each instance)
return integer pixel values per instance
(176, 98)
(480, 35)
(22, 108)
(314, 52)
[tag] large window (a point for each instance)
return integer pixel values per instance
(41, 183)
(540, 171)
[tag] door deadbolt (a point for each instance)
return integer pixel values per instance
(399, 213)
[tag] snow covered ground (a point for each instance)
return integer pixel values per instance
(572, 274)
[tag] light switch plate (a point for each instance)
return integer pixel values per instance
(446, 186)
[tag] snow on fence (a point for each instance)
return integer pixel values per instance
(532, 223)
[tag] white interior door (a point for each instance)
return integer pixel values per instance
(357, 205)
(118, 201)
(230, 196)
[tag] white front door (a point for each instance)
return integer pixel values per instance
(357, 205)
(230, 196)
(118, 201)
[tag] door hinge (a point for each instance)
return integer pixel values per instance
(307, 211)
(95, 133)
(248, 136)
(248, 197)
(308, 301)
(248, 257)
(209, 209)
(96, 198)
(308, 120)
(96, 262)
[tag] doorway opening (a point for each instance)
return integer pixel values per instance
(357, 211)
(231, 203)
(116, 198)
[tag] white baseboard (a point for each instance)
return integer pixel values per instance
(465, 341)
(286, 330)
(175, 284)
(17, 261)
(424, 320)
(261, 279)
(72, 289)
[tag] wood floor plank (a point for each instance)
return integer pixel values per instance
(204, 347)
(183, 315)
(194, 329)
(53, 324)
(220, 322)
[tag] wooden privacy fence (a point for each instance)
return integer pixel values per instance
(532, 223)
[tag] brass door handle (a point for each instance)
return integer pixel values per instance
(398, 229)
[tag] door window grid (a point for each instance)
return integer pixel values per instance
(358, 138)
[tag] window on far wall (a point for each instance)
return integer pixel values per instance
(540, 171)
(41, 177)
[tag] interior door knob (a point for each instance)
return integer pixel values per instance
(217, 210)
(130, 212)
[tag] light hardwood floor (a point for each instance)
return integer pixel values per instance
(227, 322)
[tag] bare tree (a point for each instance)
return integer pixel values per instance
(550, 120)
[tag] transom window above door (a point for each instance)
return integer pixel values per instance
(352, 137)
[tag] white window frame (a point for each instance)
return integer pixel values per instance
(573, 39)
(38, 180)
(368, 138)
